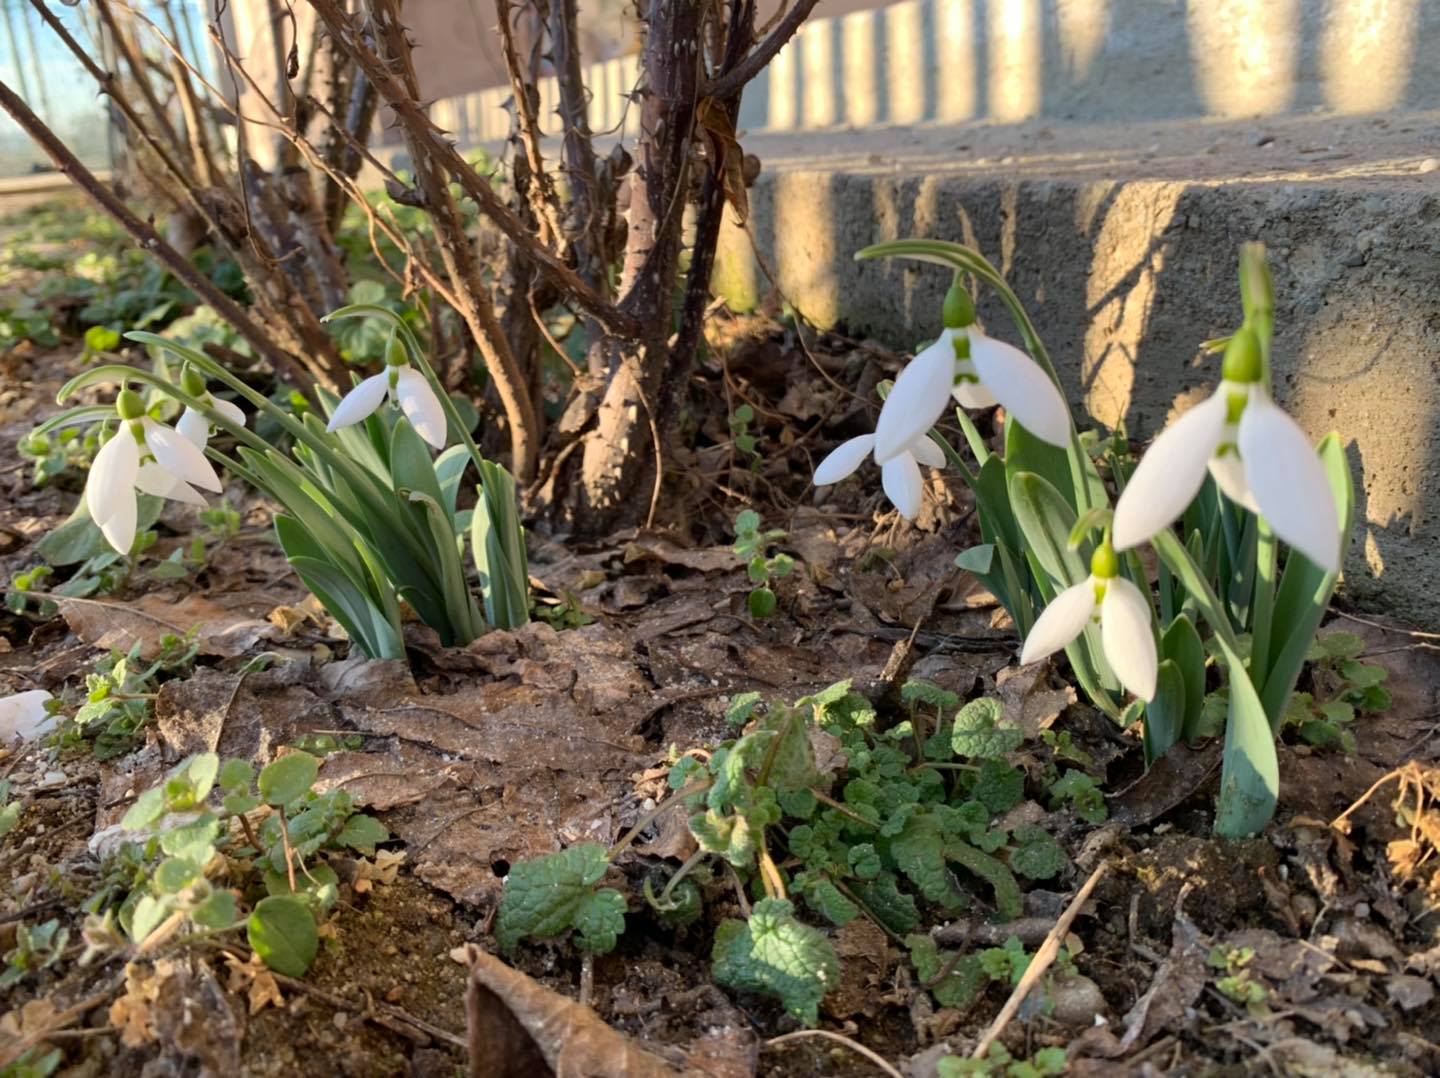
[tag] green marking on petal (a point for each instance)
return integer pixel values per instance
(1235, 406)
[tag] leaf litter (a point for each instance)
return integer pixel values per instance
(1313, 950)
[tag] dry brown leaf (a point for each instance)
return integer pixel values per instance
(381, 870)
(1029, 705)
(666, 551)
(259, 984)
(523, 1029)
(121, 626)
(287, 618)
(134, 1012)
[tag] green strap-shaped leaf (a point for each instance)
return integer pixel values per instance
(1165, 714)
(1304, 592)
(1045, 518)
(1181, 644)
(1250, 773)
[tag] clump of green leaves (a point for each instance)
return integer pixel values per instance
(63, 453)
(1344, 688)
(999, 1063)
(908, 828)
(267, 841)
(1239, 982)
(741, 438)
(35, 949)
(120, 694)
(752, 546)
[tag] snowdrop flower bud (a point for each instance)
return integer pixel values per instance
(1124, 616)
(143, 456)
(193, 425)
(406, 387)
(975, 371)
(1258, 456)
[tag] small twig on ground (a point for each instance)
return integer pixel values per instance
(854, 1046)
(1044, 958)
(587, 978)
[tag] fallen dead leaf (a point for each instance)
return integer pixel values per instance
(1029, 704)
(668, 552)
(519, 1028)
(121, 626)
(256, 981)
(381, 870)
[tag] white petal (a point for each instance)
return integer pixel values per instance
(843, 460)
(1022, 387)
(361, 401)
(916, 401)
(112, 476)
(194, 428)
(1170, 474)
(421, 406)
(1228, 471)
(973, 395)
(926, 452)
(119, 526)
(900, 477)
(180, 457)
(1127, 638)
(229, 410)
(1060, 622)
(1289, 482)
(155, 480)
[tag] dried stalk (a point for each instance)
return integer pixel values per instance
(151, 241)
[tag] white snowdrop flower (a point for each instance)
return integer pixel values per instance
(1120, 607)
(975, 371)
(1258, 456)
(143, 456)
(193, 425)
(407, 388)
(900, 475)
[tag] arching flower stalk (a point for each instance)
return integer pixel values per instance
(144, 456)
(975, 371)
(406, 387)
(1258, 456)
(1119, 606)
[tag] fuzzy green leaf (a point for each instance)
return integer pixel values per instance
(776, 954)
(551, 894)
(1037, 856)
(977, 732)
(960, 987)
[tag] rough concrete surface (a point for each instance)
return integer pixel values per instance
(1122, 241)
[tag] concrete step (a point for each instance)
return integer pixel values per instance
(1122, 240)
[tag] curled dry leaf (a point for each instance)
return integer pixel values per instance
(517, 1028)
(381, 870)
(257, 982)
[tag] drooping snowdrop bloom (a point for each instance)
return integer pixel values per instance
(407, 388)
(1124, 617)
(900, 475)
(975, 371)
(1258, 455)
(193, 425)
(143, 456)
